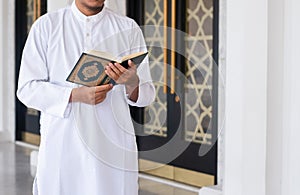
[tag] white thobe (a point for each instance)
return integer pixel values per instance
(75, 154)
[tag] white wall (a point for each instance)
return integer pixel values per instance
(117, 6)
(7, 68)
(1, 66)
(283, 171)
(275, 97)
(291, 97)
(246, 95)
(56, 4)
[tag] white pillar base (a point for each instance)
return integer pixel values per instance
(34, 158)
(210, 191)
(5, 136)
(33, 162)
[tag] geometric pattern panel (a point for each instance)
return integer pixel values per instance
(31, 16)
(30, 13)
(158, 111)
(34, 9)
(199, 70)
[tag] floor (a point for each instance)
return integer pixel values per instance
(16, 175)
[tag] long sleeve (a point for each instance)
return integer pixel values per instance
(35, 88)
(146, 88)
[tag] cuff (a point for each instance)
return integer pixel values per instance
(66, 105)
(145, 97)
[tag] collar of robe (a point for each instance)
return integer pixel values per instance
(83, 17)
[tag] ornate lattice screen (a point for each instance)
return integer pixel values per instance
(198, 114)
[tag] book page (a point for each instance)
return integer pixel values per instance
(128, 57)
(103, 54)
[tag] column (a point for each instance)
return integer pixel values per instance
(7, 71)
(291, 104)
(1, 68)
(53, 5)
(275, 97)
(245, 97)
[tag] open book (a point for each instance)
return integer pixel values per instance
(90, 67)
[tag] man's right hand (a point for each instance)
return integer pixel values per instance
(90, 95)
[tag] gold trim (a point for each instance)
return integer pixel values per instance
(157, 169)
(33, 112)
(31, 138)
(193, 178)
(177, 99)
(165, 45)
(38, 8)
(34, 10)
(173, 47)
(177, 174)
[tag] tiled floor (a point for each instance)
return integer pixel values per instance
(16, 179)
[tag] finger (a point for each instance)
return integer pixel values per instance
(103, 88)
(131, 64)
(98, 102)
(115, 67)
(111, 73)
(100, 99)
(121, 68)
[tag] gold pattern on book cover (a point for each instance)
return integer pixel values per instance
(89, 71)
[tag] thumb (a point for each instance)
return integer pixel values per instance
(103, 88)
(131, 64)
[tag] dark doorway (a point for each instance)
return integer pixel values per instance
(27, 119)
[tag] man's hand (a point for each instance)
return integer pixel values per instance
(125, 76)
(90, 95)
(122, 75)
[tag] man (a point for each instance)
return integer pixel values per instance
(87, 138)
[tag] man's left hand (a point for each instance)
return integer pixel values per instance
(128, 77)
(122, 75)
